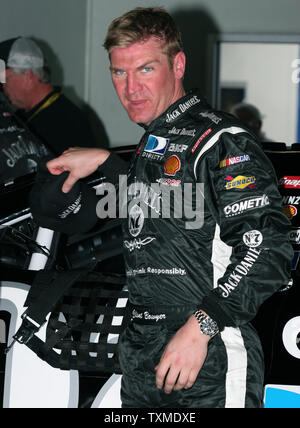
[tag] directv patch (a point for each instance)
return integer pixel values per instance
(156, 145)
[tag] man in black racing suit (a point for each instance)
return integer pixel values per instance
(238, 257)
(205, 243)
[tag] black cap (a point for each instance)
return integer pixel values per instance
(71, 213)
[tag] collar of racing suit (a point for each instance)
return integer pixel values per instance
(178, 108)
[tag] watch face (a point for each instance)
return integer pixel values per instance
(209, 327)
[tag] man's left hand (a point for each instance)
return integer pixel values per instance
(183, 358)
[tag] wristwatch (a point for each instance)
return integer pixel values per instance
(207, 325)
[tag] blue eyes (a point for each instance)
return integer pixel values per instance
(120, 73)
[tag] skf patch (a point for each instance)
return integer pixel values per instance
(177, 147)
(172, 165)
(156, 145)
(239, 182)
(234, 160)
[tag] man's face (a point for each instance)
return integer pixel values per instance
(144, 80)
(15, 89)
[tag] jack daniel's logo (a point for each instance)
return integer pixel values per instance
(183, 107)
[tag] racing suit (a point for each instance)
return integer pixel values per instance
(219, 243)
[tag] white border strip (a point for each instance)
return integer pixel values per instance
(214, 139)
(236, 376)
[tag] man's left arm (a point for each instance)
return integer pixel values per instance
(253, 231)
(259, 251)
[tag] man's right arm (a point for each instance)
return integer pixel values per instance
(80, 162)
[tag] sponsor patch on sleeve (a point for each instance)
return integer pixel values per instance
(253, 238)
(234, 160)
(239, 182)
(244, 205)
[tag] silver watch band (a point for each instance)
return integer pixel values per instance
(207, 325)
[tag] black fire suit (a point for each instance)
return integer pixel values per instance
(227, 260)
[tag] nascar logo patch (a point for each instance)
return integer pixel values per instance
(234, 160)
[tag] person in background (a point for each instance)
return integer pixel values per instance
(193, 288)
(20, 150)
(251, 117)
(47, 112)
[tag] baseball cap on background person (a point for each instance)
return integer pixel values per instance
(71, 213)
(5, 48)
(4, 53)
(22, 52)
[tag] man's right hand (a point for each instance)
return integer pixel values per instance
(80, 162)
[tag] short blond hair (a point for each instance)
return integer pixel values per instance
(140, 24)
